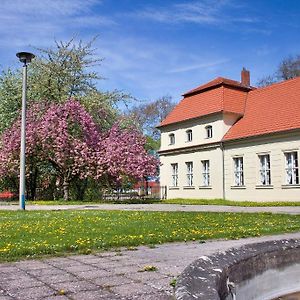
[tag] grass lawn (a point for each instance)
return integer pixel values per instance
(29, 234)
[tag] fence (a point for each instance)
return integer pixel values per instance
(152, 193)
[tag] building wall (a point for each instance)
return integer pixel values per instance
(275, 146)
(219, 123)
(197, 191)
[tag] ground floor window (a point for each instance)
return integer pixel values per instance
(264, 169)
(238, 171)
(291, 168)
(205, 173)
(189, 173)
(174, 168)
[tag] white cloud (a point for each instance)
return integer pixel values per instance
(38, 22)
(46, 8)
(196, 66)
(213, 12)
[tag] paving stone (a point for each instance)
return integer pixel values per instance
(93, 295)
(89, 259)
(57, 278)
(78, 268)
(126, 270)
(33, 293)
(18, 275)
(133, 289)
(60, 261)
(8, 268)
(106, 254)
(21, 284)
(57, 297)
(43, 272)
(113, 281)
(31, 265)
(93, 274)
(156, 296)
(74, 286)
(145, 276)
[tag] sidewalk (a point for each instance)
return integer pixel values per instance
(162, 207)
(109, 275)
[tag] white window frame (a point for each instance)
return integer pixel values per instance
(174, 168)
(189, 135)
(291, 168)
(205, 173)
(264, 169)
(209, 132)
(189, 173)
(238, 170)
(171, 139)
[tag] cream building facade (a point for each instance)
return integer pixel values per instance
(229, 140)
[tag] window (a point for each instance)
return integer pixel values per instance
(189, 135)
(205, 172)
(189, 173)
(291, 168)
(264, 169)
(209, 133)
(174, 174)
(172, 138)
(238, 171)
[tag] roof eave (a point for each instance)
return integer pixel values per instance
(199, 117)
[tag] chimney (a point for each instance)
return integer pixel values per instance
(245, 77)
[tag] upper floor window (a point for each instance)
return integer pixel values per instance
(264, 169)
(189, 135)
(174, 168)
(189, 173)
(205, 173)
(238, 171)
(291, 168)
(209, 132)
(172, 138)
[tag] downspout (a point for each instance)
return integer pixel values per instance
(223, 169)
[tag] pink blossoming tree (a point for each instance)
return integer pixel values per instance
(64, 138)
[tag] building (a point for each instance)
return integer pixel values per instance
(227, 139)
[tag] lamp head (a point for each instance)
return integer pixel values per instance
(25, 57)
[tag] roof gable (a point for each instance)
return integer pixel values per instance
(218, 95)
(271, 109)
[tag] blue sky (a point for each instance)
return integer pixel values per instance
(154, 48)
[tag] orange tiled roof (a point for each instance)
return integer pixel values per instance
(271, 109)
(217, 82)
(218, 95)
(266, 110)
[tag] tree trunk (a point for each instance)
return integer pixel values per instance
(66, 190)
(80, 187)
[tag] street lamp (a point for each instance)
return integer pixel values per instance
(25, 58)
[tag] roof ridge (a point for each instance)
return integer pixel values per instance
(216, 82)
(276, 84)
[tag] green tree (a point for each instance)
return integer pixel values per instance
(64, 71)
(288, 68)
(147, 116)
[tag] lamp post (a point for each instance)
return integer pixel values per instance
(24, 58)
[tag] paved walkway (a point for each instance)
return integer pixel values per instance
(161, 207)
(109, 275)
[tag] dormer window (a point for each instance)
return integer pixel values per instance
(189, 135)
(172, 138)
(209, 132)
